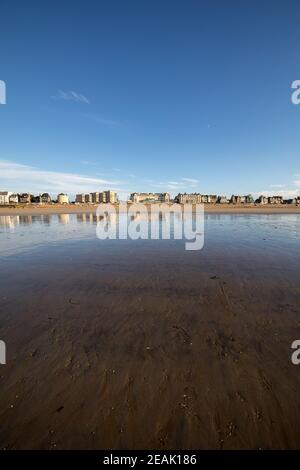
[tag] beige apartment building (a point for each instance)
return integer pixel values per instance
(193, 198)
(87, 198)
(209, 198)
(79, 199)
(111, 197)
(63, 198)
(149, 197)
(97, 197)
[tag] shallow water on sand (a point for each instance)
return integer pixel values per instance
(142, 344)
(18, 233)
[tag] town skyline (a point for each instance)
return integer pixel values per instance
(9, 198)
(39, 181)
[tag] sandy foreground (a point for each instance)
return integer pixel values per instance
(82, 208)
(145, 348)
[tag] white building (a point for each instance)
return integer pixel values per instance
(63, 198)
(4, 197)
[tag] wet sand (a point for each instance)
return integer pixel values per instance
(209, 208)
(148, 346)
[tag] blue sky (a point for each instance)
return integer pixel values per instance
(150, 95)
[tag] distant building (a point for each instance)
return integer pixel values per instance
(45, 198)
(25, 198)
(79, 198)
(249, 199)
(87, 198)
(193, 198)
(95, 197)
(209, 198)
(149, 197)
(290, 201)
(4, 197)
(241, 199)
(41, 199)
(275, 200)
(14, 198)
(102, 197)
(262, 200)
(236, 199)
(111, 197)
(223, 200)
(63, 198)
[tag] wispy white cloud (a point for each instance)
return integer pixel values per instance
(190, 180)
(16, 177)
(185, 184)
(285, 193)
(71, 96)
(168, 185)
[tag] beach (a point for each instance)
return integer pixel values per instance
(44, 209)
(142, 345)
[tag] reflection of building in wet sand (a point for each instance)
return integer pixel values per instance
(13, 220)
(9, 221)
(36, 219)
(80, 218)
(25, 219)
(47, 219)
(84, 218)
(64, 219)
(87, 218)
(90, 218)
